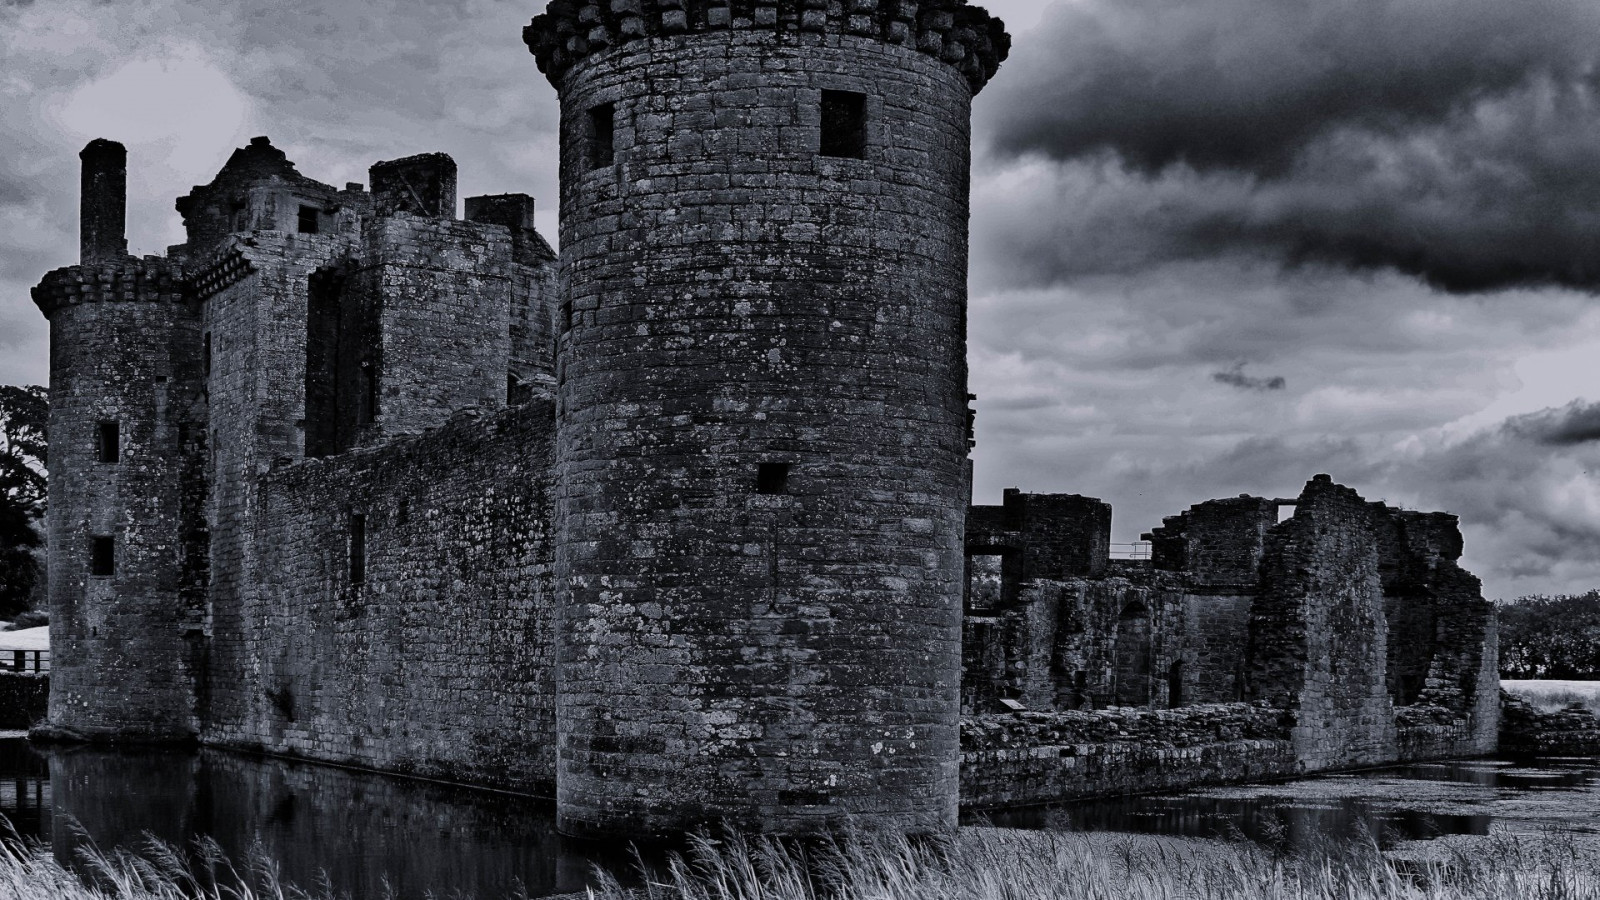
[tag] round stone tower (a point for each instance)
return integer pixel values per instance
(123, 498)
(762, 422)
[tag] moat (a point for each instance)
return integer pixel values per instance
(362, 828)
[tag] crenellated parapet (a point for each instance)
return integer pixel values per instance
(148, 280)
(968, 38)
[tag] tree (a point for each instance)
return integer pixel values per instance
(1551, 637)
(24, 435)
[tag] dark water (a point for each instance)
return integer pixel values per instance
(360, 830)
(1402, 803)
(357, 830)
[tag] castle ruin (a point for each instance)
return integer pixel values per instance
(674, 528)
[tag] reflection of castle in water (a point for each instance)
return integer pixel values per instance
(362, 829)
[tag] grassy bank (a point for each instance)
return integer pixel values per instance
(978, 864)
(1552, 696)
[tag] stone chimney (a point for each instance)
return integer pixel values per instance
(103, 210)
(423, 185)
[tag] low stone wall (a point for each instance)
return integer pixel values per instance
(24, 697)
(1525, 730)
(1434, 732)
(1031, 758)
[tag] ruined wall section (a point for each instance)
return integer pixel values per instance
(1318, 632)
(1444, 636)
(420, 640)
(124, 577)
(533, 295)
(259, 189)
(1081, 643)
(1031, 758)
(1216, 635)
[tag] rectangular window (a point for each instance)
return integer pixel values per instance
(566, 315)
(844, 124)
(205, 355)
(108, 443)
(102, 556)
(985, 581)
(308, 219)
(602, 135)
(358, 548)
(772, 478)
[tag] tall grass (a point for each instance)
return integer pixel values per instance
(994, 864)
(977, 864)
(29, 872)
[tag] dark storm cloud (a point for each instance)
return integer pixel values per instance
(1457, 142)
(1237, 378)
(1576, 423)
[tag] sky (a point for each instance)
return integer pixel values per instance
(1218, 246)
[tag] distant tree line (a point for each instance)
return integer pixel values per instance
(1551, 637)
(24, 419)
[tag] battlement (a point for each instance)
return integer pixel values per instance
(147, 280)
(967, 37)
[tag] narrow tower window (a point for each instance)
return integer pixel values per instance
(602, 135)
(108, 443)
(772, 478)
(358, 548)
(205, 355)
(308, 219)
(844, 124)
(102, 556)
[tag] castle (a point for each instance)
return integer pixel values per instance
(676, 527)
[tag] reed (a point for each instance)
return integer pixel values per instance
(976, 864)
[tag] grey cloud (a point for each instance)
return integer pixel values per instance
(1236, 377)
(1459, 143)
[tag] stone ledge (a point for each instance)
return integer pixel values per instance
(968, 38)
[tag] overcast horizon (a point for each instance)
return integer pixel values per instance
(1218, 246)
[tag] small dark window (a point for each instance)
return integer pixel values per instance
(205, 354)
(772, 478)
(566, 316)
(161, 379)
(367, 412)
(108, 443)
(308, 219)
(358, 548)
(844, 124)
(602, 135)
(102, 557)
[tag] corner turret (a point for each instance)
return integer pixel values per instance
(127, 562)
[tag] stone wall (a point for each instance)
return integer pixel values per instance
(1216, 635)
(421, 640)
(1528, 731)
(1080, 643)
(1028, 758)
(1319, 634)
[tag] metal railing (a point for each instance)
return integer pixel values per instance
(25, 660)
(1132, 550)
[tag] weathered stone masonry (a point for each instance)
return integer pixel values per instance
(677, 529)
(1235, 611)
